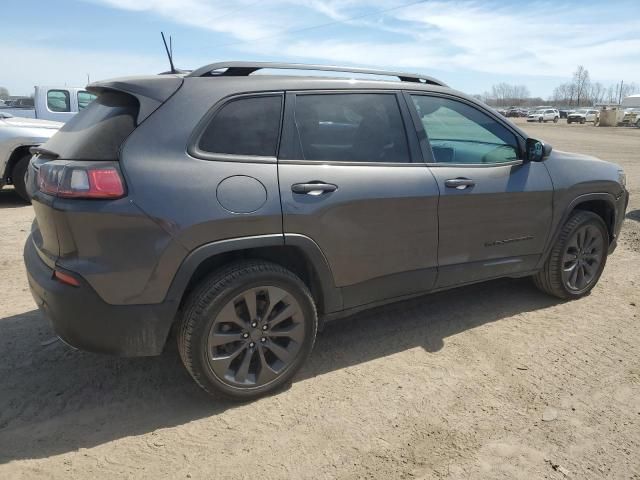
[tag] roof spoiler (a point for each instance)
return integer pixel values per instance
(236, 69)
(151, 92)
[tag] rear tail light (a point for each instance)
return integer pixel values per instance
(73, 179)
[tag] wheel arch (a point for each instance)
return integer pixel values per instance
(297, 253)
(602, 204)
(604, 207)
(17, 153)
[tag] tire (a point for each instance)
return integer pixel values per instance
(582, 121)
(555, 120)
(540, 120)
(555, 276)
(568, 122)
(206, 341)
(17, 176)
(638, 124)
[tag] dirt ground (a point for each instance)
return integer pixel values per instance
(490, 381)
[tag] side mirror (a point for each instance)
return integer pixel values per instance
(537, 151)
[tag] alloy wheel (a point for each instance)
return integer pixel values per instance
(582, 258)
(255, 337)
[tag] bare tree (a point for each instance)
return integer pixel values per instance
(4, 93)
(504, 94)
(597, 93)
(629, 89)
(581, 84)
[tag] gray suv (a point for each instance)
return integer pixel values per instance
(242, 211)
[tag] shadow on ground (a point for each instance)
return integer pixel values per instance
(10, 199)
(633, 215)
(54, 399)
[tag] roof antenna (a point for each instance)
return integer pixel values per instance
(169, 52)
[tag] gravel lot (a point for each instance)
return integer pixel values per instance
(490, 381)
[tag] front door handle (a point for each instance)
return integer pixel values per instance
(459, 183)
(313, 188)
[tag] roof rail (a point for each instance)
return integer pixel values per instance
(242, 69)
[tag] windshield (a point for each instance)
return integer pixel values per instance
(582, 110)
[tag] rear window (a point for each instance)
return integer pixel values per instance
(245, 126)
(97, 132)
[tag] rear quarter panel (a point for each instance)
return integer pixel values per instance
(179, 192)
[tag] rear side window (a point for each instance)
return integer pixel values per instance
(58, 101)
(361, 127)
(97, 132)
(245, 126)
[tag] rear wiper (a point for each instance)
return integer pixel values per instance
(43, 151)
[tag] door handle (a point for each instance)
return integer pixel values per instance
(313, 188)
(459, 183)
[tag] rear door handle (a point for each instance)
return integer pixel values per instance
(313, 188)
(459, 183)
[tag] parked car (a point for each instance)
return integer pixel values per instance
(278, 203)
(516, 112)
(17, 135)
(583, 115)
(549, 114)
(51, 103)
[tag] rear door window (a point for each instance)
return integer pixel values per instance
(245, 126)
(59, 101)
(351, 127)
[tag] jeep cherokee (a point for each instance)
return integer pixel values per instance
(243, 209)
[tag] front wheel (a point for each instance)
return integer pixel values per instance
(582, 121)
(247, 329)
(555, 120)
(577, 258)
(540, 120)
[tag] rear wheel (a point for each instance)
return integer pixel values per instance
(577, 258)
(247, 329)
(17, 177)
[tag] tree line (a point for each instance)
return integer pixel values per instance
(581, 91)
(578, 92)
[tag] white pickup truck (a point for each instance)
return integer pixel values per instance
(53, 103)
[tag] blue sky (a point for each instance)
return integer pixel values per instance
(468, 44)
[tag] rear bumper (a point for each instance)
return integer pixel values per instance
(83, 320)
